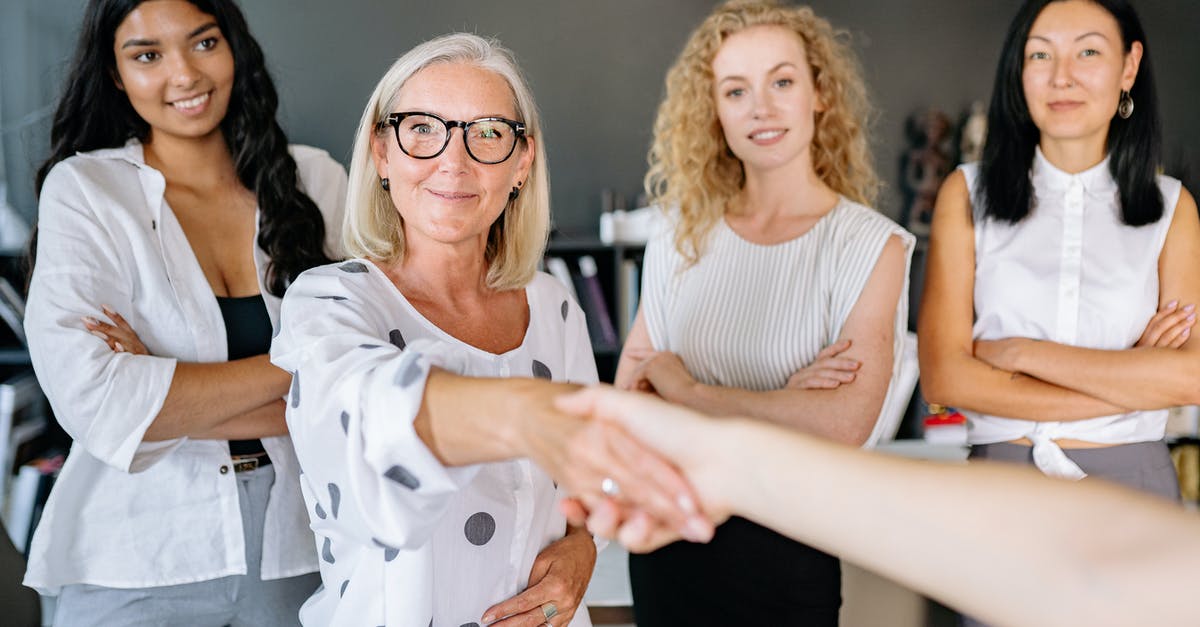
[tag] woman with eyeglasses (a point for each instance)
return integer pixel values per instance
(173, 205)
(425, 368)
(1049, 259)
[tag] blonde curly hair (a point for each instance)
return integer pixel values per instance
(691, 166)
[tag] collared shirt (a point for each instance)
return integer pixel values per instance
(126, 513)
(405, 541)
(1072, 273)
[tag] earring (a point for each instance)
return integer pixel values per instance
(385, 184)
(516, 191)
(1125, 107)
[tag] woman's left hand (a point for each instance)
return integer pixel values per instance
(664, 373)
(560, 576)
(119, 336)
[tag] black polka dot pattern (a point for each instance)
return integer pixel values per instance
(401, 475)
(565, 309)
(480, 528)
(469, 625)
(369, 346)
(541, 371)
(409, 374)
(397, 339)
(353, 267)
(335, 499)
(342, 592)
(345, 423)
(332, 297)
(389, 553)
(327, 551)
(295, 389)
(320, 511)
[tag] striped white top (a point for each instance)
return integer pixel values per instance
(748, 315)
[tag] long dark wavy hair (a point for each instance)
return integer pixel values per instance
(94, 114)
(1134, 145)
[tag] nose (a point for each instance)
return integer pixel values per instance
(454, 158)
(184, 74)
(764, 105)
(1063, 72)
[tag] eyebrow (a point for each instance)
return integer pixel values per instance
(770, 71)
(1085, 35)
(132, 43)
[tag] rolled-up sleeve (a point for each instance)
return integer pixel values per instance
(104, 400)
(355, 393)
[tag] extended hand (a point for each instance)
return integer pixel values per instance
(560, 575)
(119, 336)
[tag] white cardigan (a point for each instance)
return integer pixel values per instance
(127, 513)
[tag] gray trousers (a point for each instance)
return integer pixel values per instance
(1143, 466)
(238, 600)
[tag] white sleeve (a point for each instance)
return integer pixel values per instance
(104, 400)
(356, 389)
(657, 268)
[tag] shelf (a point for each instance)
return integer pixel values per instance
(14, 357)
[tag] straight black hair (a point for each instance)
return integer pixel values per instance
(93, 113)
(1134, 144)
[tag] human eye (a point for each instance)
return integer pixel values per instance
(489, 130)
(736, 92)
(1038, 55)
(149, 56)
(1090, 52)
(208, 43)
(784, 82)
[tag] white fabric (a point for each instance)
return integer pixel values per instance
(392, 523)
(749, 316)
(126, 513)
(1071, 272)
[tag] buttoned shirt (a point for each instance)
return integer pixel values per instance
(405, 541)
(1073, 273)
(126, 513)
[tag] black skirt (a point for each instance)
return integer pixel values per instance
(747, 575)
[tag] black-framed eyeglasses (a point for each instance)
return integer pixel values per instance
(424, 135)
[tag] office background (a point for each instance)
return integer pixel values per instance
(597, 70)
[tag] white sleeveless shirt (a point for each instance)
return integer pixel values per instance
(1071, 272)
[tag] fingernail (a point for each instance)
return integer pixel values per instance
(100, 334)
(1191, 317)
(686, 504)
(1186, 332)
(697, 530)
(106, 308)
(1172, 304)
(88, 320)
(1190, 307)
(487, 618)
(119, 347)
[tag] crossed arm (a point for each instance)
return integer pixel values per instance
(813, 395)
(1042, 380)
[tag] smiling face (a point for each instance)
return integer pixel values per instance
(175, 66)
(451, 198)
(1075, 69)
(766, 101)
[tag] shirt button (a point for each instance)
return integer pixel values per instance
(224, 470)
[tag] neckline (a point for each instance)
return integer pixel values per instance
(841, 201)
(374, 270)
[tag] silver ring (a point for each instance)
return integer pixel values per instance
(549, 610)
(610, 488)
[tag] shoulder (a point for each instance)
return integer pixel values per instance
(316, 165)
(544, 287)
(107, 167)
(334, 281)
(856, 223)
(1172, 191)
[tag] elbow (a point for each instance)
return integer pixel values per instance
(936, 388)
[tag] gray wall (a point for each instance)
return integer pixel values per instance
(596, 67)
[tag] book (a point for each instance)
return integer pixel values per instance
(595, 306)
(558, 268)
(628, 288)
(12, 310)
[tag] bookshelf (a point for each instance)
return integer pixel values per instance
(617, 272)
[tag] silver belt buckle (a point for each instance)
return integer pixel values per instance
(244, 464)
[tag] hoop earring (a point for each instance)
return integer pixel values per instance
(1125, 107)
(385, 184)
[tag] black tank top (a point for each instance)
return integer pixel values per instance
(247, 333)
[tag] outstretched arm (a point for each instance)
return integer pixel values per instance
(1003, 543)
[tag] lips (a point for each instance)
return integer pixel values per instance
(767, 136)
(1064, 105)
(450, 195)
